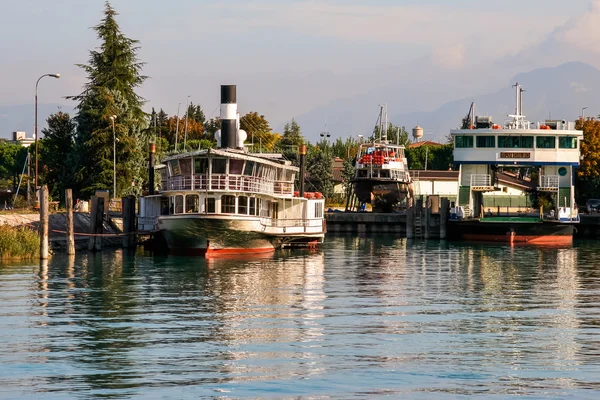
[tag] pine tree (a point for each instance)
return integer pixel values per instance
(58, 143)
(114, 73)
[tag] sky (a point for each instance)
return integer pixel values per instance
(289, 56)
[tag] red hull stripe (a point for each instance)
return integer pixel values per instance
(531, 239)
(220, 252)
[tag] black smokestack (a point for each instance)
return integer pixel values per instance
(228, 116)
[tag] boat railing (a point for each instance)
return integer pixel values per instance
(481, 180)
(549, 182)
(290, 222)
(236, 183)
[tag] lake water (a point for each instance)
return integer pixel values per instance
(359, 318)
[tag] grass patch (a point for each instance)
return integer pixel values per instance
(18, 243)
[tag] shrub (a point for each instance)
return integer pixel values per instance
(18, 242)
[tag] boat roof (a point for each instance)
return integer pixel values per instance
(263, 158)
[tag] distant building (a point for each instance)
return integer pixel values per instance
(424, 143)
(337, 169)
(22, 139)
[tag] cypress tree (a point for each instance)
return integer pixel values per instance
(114, 73)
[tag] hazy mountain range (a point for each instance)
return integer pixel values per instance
(560, 92)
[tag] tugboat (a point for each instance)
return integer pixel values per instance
(548, 152)
(381, 175)
(230, 201)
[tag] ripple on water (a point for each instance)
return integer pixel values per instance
(362, 317)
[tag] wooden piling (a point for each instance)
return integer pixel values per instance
(444, 212)
(100, 223)
(44, 218)
(427, 218)
(93, 211)
(410, 219)
(128, 210)
(70, 231)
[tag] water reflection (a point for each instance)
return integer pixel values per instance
(362, 317)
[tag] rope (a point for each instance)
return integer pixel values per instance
(96, 234)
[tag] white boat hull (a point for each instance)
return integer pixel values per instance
(199, 234)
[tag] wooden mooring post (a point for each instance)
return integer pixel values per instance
(128, 210)
(70, 231)
(96, 223)
(410, 219)
(444, 212)
(44, 218)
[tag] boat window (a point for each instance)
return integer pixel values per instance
(242, 205)
(567, 142)
(252, 206)
(227, 204)
(545, 142)
(179, 204)
(486, 141)
(186, 166)
(265, 206)
(384, 173)
(201, 165)
(164, 206)
(362, 173)
(175, 167)
(275, 213)
(209, 205)
(463, 142)
(515, 142)
(172, 205)
(318, 210)
(219, 165)
(289, 176)
(192, 203)
(249, 168)
(236, 167)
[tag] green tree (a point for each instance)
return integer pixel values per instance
(395, 134)
(57, 145)
(211, 126)
(292, 135)
(12, 162)
(114, 73)
(319, 170)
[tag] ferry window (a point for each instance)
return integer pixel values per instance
(486, 141)
(249, 168)
(186, 166)
(384, 173)
(192, 203)
(179, 204)
(209, 205)
(227, 204)
(318, 210)
(242, 205)
(545, 142)
(567, 142)
(463, 141)
(175, 167)
(362, 173)
(201, 165)
(516, 142)
(236, 166)
(252, 206)
(219, 166)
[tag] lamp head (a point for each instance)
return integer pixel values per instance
(54, 75)
(113, 117)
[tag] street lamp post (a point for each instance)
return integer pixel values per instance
(113, 118)
(36, 124)
(583, 113)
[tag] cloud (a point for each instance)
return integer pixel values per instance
(414, 25)
(450, 57)
(581, 32)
